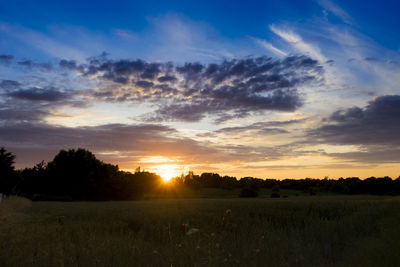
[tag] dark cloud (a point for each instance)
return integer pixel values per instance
(374, 155)
(130, 142)
(6, 59)
(233, 88)
(40, 94)
(31, 64)
(113, 69)
(106, 137)
(255, 153)
(21, 112)
(144, 84)
(269, 127)
(374, 128)
(351, 114)
(371, 59)
(34, 104)
(184, 112)
(151, 71)
(34, 108)
(377, 123)
(9, 84)
(70, 65)
(167, 78)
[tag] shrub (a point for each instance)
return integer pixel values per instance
(248, 192)
(275, 191)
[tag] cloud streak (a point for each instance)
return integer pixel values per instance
(336, 10)
(269, 46)
(302, 46)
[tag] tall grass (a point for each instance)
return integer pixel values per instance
(313, 231)
(12, 208)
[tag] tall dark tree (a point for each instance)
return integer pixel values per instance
(77, 174)
(33, 181)
(7, 173)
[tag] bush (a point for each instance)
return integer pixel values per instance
(248, 192)
(275, 191)
(275, 195)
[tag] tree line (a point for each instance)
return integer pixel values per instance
(76, 174)
(351, 185)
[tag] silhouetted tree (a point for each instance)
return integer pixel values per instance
(228, 182)
(7, 173)
(32, 181)
(210, 180)
(77, 174)
(192, 181)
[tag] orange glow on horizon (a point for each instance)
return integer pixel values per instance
(168, 171)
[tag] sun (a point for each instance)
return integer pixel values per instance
(167, 176)
(167, 172)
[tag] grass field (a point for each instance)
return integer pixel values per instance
(224, 193)
(295, 231)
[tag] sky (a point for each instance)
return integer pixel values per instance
(269, 89)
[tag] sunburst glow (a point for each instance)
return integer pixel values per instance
(168, 171)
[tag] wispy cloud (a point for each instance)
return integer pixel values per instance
(296, 41)
(125, 34)
(336, 10)
(269, 46)
(41, 42)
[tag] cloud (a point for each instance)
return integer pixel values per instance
(6, 59)
(376, 124)
(40, 41)
(40, 94)
(115, 142)
(336, 10)
(70, 65)
(178, 38)
(373, 156)
(269, 46)
(9, 84)
(125, 34)
(9, 112)
(268, 127)
(191, 91)
(19, 104)
(31, 64)
(375, 129)
(191, 112)
(126, 144)
(296, 41)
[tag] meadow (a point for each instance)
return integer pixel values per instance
(225, 231)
